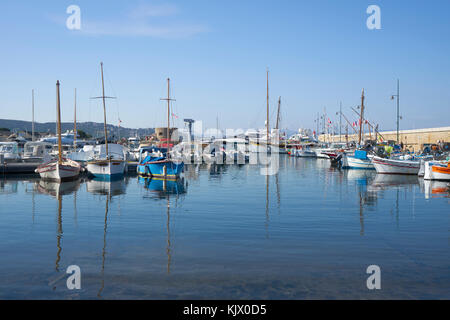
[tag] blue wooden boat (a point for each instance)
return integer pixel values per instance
(160, 167)
(157, 161)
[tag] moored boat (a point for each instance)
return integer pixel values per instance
(161, 164)
(110, 164)
(359, 160)
(393, 166)
(440, 172)
(60, 169)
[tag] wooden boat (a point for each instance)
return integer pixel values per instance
(61, 169)
(161, 165)
(393, 166)
(440, 173)
(359, 160)
(107, 166)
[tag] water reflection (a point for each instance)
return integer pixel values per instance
(109, 188)
(163, 189)
(434, 189)
(58, 189)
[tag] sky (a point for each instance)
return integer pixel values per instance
(318, 53)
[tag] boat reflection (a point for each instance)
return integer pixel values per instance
(104, 187)
(162, 187)
(434, 189)
(387, 181)
(57, 189)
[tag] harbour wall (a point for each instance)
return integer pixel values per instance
(412, 139)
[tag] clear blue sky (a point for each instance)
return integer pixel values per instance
(217, 52)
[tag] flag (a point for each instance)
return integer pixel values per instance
(120, 121)
(174, 115)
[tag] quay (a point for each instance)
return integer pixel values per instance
(413, 139)
(18, 167)
(29, 167)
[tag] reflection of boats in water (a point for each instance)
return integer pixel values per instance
(58, 188)
(164, 186)
(383, 181)
(434, 189)
(106, 187)
(360, 175)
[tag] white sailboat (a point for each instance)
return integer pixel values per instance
(60, 169)
(108, 165)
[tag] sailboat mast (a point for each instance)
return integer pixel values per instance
(58, 120)
(267, 124)
(104, 111)
(278, 113)
(168, 116)
(32, 115)
(75, 122)
(361, 116)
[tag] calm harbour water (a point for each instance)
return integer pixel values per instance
(227, 232)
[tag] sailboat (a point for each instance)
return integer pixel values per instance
(162, 166)
(110, 164)
(61, 169)
(359, 160)
(259, 143)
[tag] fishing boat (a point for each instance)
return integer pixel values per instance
(437, 170)
(395, 166)
(359, 160)
(305, 151)
(60, 169)
(161, 165)
(110, 164)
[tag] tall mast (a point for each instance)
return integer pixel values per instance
(361, 117)
(58, 122)
(32, 115)
(267, 124)
(75, 122)
(168, 115)
(278, 112)
(398, 109)
(340, 121)
(104, 111)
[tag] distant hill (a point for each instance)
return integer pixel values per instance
(95, 129)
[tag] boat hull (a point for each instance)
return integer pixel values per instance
(168, 169)
(306, 154)
(355, 163)
(390, 166)
(440, 173)
(54, 171)
(106, 169)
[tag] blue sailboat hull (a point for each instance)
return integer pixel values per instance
(160, 167)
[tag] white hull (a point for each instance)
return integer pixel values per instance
(306, 154)
(321, 155)
(355, 163)
(106, 168)
(440, 176)
(390, 166)
(67, 170)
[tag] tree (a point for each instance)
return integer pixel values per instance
(83, 135)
